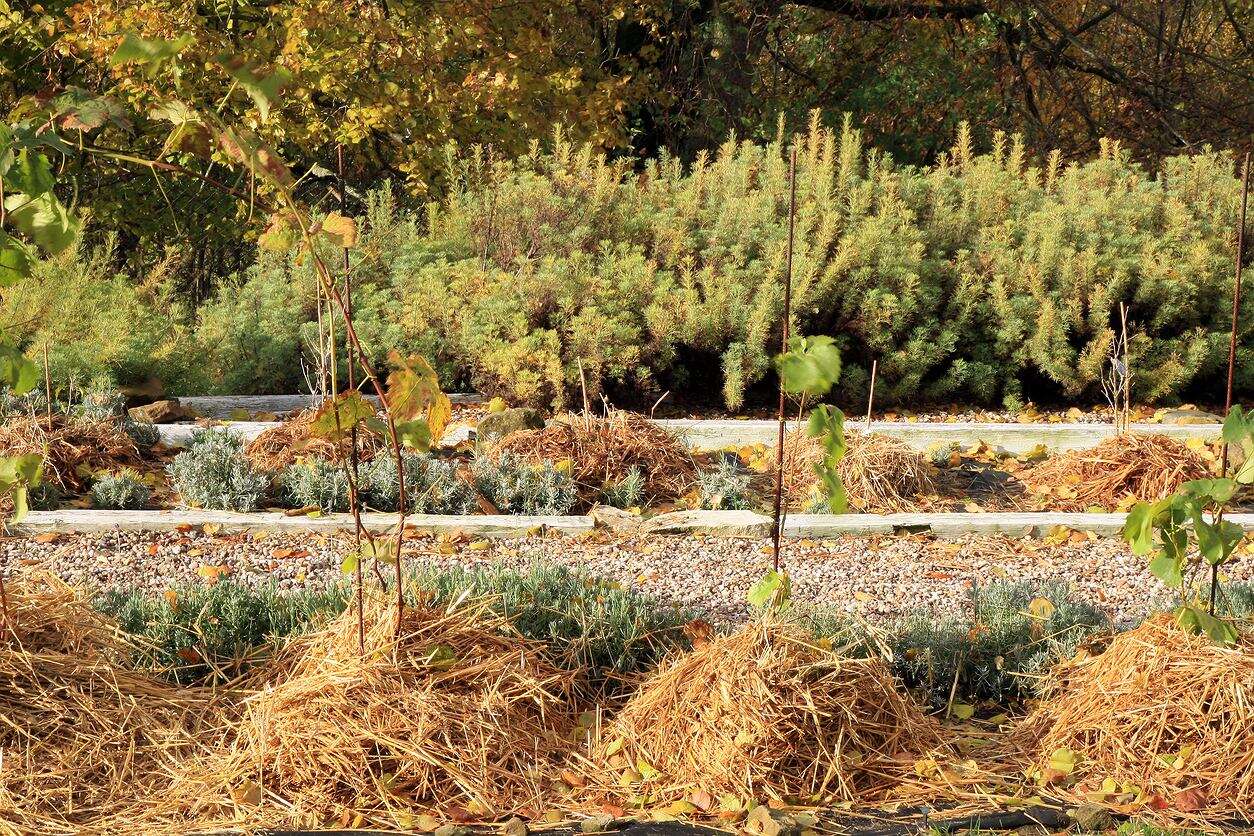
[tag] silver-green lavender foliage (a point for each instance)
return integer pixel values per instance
(516, 487)
(213, 472)
(725, 488)
(628, 492)
(432, 486)
(143, 433)
(314, 482)
(121, 491)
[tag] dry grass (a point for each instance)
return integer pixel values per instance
(72, 447)
(87, 744)
(763, 713)
(603, 450)
(1144, 467)
(1163, 710)
(280, 446)
(459, 712)
(881, 474)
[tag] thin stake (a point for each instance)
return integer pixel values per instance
(1232, 349)
(583, 385)
(777, 529)
(870, 399)
(1127, 370)
(354, 497)
(48, 384)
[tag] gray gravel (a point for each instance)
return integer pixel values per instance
(876, 578)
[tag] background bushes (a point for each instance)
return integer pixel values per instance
(988, 277)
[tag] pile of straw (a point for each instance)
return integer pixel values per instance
(280, 446)
(603, 450)
(1163, 710)
(88, 745)
(1145, 467)
(72, 447)
(881, 474)
(763, 713)
(458, 711)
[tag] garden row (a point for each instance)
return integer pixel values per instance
(513, 462)
(550, 696)
(986, 278)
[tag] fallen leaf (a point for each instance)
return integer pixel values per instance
(48, 537)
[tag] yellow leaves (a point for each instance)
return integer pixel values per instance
(961, 710)
(496, 405)
(213, 574)
(248, 792)
(1041, 608)
(414, 389)
(340, 231)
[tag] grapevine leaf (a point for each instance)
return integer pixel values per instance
(336, 417)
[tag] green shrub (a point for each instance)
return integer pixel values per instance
(628, 492)
(516, 487)
(201, 633)
(143, 433)
(589, 623)
(121, 491)
(726, 487)
(315, 482)
(213, 472)
(1002, 651)
(432, 486)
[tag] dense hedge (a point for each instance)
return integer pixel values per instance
(987, 277)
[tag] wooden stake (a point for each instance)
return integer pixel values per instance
(777, 529)
(48, 384)
(1236, 301)
(1126, 419)
(870, 398)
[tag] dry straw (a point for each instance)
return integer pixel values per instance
(72, 448)
(1144, 467)
(458, 713)
(276, 448)
(763, 713)
(881, 474)
(603, 450)
(1161, 710)
(88, 746)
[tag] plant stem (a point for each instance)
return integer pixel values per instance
(870, 398)
(777, 529)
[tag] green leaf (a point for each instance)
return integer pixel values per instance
(382, 550)
(415, 434)
(336, 418)
(828, 425)
(15, 260)
(20, 505)
(30, 174)
(1138, 528)
(772, 592)
(263, 88)
(811, 365)
(42, 219)
(1168, 569)
(350, 563)
(1197, 620)
(16, 371)
(414, 391)
(151, 53)
(1212, 490)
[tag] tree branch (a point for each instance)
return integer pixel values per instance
(857, 10)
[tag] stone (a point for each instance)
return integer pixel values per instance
(597, 824)
(615, 519)
(161, 412)
(716, 523)
(496, 425)
(514, 827)
(1187, 417)
(1032, 830)
(146, 391)
(452, 830)
(1092, 818)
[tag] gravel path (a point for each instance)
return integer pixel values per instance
(877, 578)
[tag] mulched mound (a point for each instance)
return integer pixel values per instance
(1163, 718)
(603, 450)
(88, 744)
(1119, 470)
(881, 474)
(458, 715)
(73, 448)
(276, 448)
(764, 713)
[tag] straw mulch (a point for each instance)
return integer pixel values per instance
(881, 474)
(1161, 710)
(87, 743)
(603, 450)
(73, 448)
(278, 447)
(458, 713)
(1144, 467)
(763, 713)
